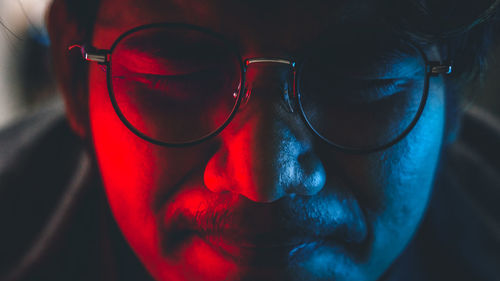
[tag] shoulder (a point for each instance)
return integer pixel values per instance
(474, 159)
(466, 209)
(459, 238)
(40, 159)
(470, 183)
(19, 139)
(39, 150)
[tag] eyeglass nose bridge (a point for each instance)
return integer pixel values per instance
(285, 88)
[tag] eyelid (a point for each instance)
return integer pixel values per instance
(164, 84)
(140, 63)
(380, 89)
(401, 70)
(159, 68)
(390, 66)
(150, 78)
(389, 85)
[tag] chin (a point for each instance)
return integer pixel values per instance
(210, 259)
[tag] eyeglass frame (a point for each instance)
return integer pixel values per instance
(103, 58)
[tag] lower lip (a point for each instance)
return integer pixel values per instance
(259, 255)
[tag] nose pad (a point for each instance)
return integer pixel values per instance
(247, 92)
(266, 154)
(287, 91)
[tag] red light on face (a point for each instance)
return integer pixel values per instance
(202, 262)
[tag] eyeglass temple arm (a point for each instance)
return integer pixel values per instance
(436, 68)
(90, 53)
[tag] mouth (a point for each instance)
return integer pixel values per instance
(255, 246)
(264, 251)
(260, 235)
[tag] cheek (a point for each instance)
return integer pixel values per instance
(135, 175)
(405, 178)
(127, 170)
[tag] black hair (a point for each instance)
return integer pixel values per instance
(84, 12)
(463, 30)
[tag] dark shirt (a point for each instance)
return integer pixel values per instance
(56, 223)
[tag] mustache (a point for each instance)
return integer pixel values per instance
(330, 216)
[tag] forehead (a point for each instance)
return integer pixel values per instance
(254, 25)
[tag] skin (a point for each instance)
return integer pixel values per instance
(266, 173)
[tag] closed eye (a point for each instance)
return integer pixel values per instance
(371, 90)
(180, 88)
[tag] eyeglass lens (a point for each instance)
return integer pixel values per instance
(364, 100)
(174, 85)
(179, 85)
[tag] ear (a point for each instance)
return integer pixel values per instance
(70, 68)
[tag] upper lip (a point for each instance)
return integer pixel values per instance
(283, 224)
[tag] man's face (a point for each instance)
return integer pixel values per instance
(265, 199)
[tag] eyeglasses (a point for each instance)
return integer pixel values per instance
(177, 85)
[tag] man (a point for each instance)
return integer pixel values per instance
(244, 140)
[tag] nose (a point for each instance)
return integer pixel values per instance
(266, 152)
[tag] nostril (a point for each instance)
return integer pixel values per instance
(304, 159)
(308, 161)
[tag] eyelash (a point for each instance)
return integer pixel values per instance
(177, 87)
(383, 88)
